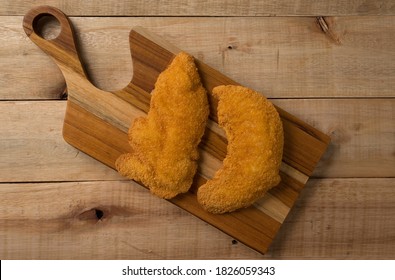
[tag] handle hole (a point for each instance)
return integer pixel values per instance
(47, 26)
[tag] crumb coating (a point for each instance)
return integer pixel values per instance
(254, 153)
(165, 143)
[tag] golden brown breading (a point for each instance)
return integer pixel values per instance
(255, 146)
(165, 143)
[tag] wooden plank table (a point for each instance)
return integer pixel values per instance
(331, 65)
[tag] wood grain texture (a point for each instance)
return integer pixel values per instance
(33, 149)
(337, 53)
(282, 57)
(340, 219)
(206, 8)
(362, 133)
(135, 224)
(333, 219)
(97, 122)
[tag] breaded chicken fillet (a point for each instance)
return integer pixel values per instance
(254, 153)
(165, 143)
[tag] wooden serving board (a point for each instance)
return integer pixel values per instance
(96, 122)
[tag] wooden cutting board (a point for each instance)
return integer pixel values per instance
(96, 122)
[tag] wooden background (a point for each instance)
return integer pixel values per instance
(330, 64)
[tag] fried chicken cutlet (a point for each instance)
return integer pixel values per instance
(165, 143)
(254, 153)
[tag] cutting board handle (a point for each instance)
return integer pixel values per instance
(62, 48)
